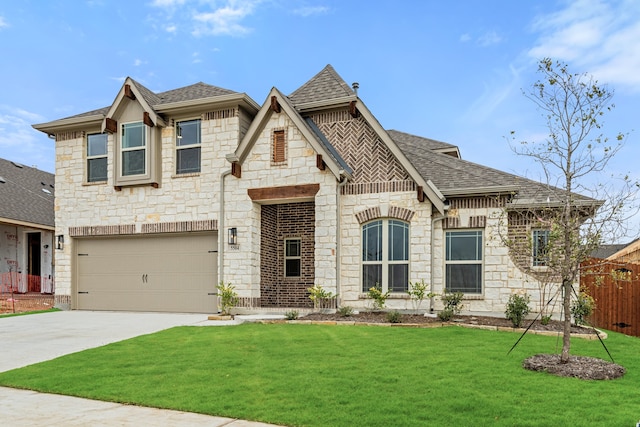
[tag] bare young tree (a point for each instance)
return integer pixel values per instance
(581, 208)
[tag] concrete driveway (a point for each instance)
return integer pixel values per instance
(36, 338)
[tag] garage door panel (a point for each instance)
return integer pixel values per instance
(175, 273)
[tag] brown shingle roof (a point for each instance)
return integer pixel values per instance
(325, 85)
(26, 194)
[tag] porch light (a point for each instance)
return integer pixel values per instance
(60, 241)
(233, 236)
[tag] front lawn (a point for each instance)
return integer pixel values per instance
(317, 375)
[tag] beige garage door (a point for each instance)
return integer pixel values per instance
(172, 273)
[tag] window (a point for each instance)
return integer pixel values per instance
(133, 149)
(385, 255)
(463, 261)
(97, 157)
(278, 148)
(540, 246)
(292, 258)
(188, 146)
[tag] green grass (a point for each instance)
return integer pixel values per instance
(25, 313)
(315, 375)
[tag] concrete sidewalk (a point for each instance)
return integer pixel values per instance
(40, 337)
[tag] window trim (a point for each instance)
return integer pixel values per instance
(278, 147)
(540, 260)
(152, 158)
(89, 157)
(476, 261)
(197, 145)
(288, 257)
(384, 261)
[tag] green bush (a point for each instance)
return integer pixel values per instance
(345, 311)
(582, 308)
(379, 298)
(418, 292)
(319, 296)
(228, 297)
(452, 305)
(517, 309)
(394, 317)
(291, 315)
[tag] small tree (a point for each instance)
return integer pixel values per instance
(228, 297)
(573, 106)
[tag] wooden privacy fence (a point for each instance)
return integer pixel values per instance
(615, 287)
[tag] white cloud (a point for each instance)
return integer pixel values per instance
(489, 38)
(465, 37)
(598, 37)
(171, 28)
(3, 23)
(167, 3)
(224, 20)
(138, 62)
(20, 142)
(311, 10)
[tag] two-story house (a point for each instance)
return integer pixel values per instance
(161, 196)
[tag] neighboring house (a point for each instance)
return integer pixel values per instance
(626, 253)
(160, 196)
(26, 228)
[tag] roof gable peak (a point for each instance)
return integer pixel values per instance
(325, 85)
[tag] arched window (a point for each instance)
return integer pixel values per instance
(385, 255)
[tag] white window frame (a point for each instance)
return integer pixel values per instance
(453, 262)
(90, 157)
(197, 144)
(385, 262)
(144, 148)
(288, 257)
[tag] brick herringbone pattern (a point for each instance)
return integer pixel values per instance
(361, 148)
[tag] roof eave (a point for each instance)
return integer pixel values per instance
(221, 100)
(51, 128)
(325, 104)
(12, 221)
(488, 190)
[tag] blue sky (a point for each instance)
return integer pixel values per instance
(448, 70)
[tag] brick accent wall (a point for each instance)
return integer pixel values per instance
(280, 222)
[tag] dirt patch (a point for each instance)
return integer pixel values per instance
(19, 303)
(583, 367)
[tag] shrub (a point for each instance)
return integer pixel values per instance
(319, 296)
(582, 308)
(345, 311)
(291, 315)
(228, 297)
(452, 305)
(517, 309)
(418, 292)
(394, 317)
(379, 298)
(545, 320)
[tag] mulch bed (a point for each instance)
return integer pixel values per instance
(583, 367)
(381, 317)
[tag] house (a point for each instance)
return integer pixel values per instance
(625, 253)
(26, 228)
(160, 196)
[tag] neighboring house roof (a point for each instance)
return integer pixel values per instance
(26, 195)
(624, 251)
(605, 251)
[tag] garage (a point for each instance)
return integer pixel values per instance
(168, 272)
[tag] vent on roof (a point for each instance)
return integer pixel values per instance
(18, 165)
(355, 86)
(2, 180)
(46, 191)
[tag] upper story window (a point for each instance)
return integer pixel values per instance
(463, 261)
(96, 157)
(385, 255)
(292, 258)
(188, 144)
(133, 149)
(540, 247)
(279, 147)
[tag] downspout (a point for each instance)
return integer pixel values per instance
(343, 181)
(221, 228)
(433, 224)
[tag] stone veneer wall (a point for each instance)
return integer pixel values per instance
(180, 199)
(242, 264)
(280, 222)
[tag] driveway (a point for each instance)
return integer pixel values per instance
(35, 338)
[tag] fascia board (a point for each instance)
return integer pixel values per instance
(326, 103)
(159, 121)
(430, 190)
(26, 224)
(64, 124)
(495, 189)
(229, 99)
(263, 116)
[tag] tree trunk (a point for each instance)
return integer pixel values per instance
(566, 335)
